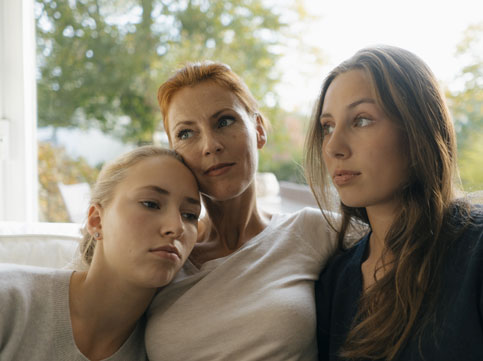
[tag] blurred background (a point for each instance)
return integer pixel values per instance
(100, 62)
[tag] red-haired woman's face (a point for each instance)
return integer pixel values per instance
(218, 139)
(362, 147)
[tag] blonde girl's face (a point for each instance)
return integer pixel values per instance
(150, 226)
(362, 148)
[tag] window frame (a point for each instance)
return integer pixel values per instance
(18, 112)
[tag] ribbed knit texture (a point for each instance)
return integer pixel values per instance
(35, 318)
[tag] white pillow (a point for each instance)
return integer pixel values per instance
(39, 244)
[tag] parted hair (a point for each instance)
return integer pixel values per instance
(113, 173)
(198, 72)
(400, 303)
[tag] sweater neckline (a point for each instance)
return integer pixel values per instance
(213, 263)
(66, 335)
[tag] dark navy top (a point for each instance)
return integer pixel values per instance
(457, 332)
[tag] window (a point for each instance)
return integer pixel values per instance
(121, 125)
(18, 143)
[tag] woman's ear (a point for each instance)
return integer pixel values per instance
(94, 220)
(261, 132)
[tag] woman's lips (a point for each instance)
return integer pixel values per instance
(167, 252)
(219, 169)
(343, 177)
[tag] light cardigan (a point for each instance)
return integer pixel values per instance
(35, 318)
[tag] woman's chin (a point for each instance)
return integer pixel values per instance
(224, 193)
(353, 203)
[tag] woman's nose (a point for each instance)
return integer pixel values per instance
(336, 144)
(172, 226)
(211, 144)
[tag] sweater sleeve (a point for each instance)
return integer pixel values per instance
(316, 232)
(14, 305)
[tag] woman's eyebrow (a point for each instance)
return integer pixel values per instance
(217, 114)
(156, 189)
(164, 192)
(184, 123)
(351, 106)
(189, 122)
(361, 101)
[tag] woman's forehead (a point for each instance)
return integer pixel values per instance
(201, 101)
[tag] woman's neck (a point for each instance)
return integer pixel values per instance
(104, 313)
(381, 219)
(228, 226)
(377, 260)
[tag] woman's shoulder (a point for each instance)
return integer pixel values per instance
(23, 279)
(467, 221)
(25, 290)
(472, 235)
(308, 226)
(476, 218)
(303, 221)
(476, 215)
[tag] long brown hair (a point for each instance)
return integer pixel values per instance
(391, 311)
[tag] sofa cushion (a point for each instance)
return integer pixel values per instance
(39, 244)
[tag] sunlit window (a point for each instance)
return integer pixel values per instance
(100, 62)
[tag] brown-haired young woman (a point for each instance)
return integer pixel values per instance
(412, 288)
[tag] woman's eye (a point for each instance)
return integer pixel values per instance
(327, 128)
(184, 134)
(225, 121)
(150, 204)
(192, 217)
(362, 122)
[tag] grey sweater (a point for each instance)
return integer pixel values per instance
(35, 318)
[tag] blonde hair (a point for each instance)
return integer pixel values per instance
(195, 73)
(111, 175)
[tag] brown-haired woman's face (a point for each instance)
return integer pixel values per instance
(362, 147)
(211, 129)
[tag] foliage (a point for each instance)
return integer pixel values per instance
(283, 153)
(100, 61)
(471, 163)
(55, 166)
(466, 105)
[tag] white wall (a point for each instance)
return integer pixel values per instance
(18, 141)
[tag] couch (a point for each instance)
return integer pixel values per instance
(56, 244)
(39, 244)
